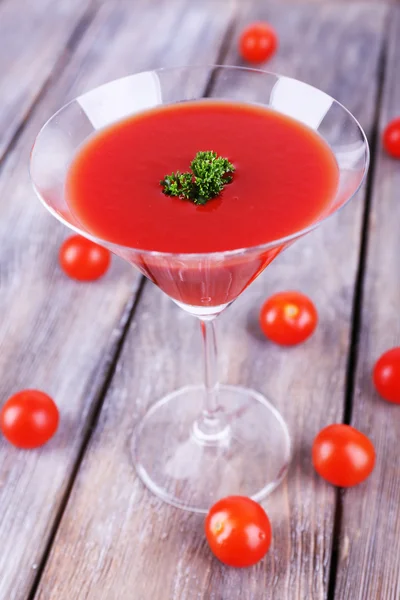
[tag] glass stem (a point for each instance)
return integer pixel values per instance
(211, 383)
(211, 427)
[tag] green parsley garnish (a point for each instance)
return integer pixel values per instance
(207, 178)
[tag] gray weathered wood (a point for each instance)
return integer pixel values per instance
(33, 38)
(56, 334)
(369, 561)
(116, 541)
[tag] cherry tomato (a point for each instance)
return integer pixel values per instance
(391, 138)
(343, 455)
(288, 318)
(258, 42)
(238, 531)
(29, 419)
(82, 259)
(386, 375)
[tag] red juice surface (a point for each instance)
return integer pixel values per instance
(286, 178)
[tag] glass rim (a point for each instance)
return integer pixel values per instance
(202, 255)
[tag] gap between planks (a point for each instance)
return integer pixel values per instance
(357, 309)
(130, 311)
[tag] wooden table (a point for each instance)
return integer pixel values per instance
(75, 522)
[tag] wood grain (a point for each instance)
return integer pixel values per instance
(33, 41)
(56, 334)
(116, 540)
(369, 561)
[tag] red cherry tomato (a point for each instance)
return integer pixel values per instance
(258, 42)
(29, 419)
(288, 318)
(343, 455)
(391, 138)
(82, 259)
(386, 375)
(238, 531)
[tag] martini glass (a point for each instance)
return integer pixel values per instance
(201, 443)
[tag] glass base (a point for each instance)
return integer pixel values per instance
(191, 466)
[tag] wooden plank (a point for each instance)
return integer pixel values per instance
(369, 560)
(116, 540)
(56, 334)
(33, 40)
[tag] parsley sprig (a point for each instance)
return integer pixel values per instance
(206, 180)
